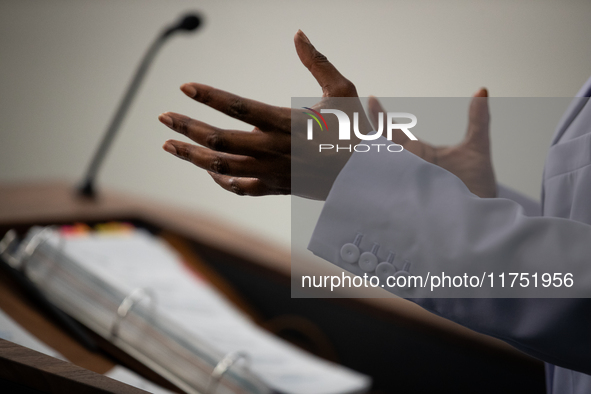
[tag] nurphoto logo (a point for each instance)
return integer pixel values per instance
(345, 129)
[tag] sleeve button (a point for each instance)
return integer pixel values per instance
(384, 270)
(350, 253)
(368, 261)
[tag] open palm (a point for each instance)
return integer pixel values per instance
(470, 160)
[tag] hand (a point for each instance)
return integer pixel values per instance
(470, 160)
(260, 162)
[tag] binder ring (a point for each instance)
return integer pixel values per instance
(37, 240)
(128, 303)
(6, 243)
(28, 250)
(222, 367)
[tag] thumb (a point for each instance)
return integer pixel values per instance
(478, 120)
(330, 79)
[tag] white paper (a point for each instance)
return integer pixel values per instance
(13, 332)
(139, 260)
(124, 375)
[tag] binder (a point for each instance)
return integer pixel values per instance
(133, 320)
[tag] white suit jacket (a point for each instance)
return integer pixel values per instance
(430, 219)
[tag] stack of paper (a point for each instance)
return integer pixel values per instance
(181, 327)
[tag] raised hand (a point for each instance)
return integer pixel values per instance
(259, 162)
(470, 160)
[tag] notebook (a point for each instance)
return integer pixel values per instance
(134, 290)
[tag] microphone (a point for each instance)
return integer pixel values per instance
(189, 22)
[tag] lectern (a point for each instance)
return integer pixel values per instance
(402, 347)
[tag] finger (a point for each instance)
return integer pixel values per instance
(331, 81)
(228, 141)
(375, 107)
(478, 119)
(221, 163)
(241, 186)
(264, 116)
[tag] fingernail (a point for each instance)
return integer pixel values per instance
(189, 90)
(304, 36)
(482, 92)
(167, 120)
(169, 148)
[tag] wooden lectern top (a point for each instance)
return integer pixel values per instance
(24, 205)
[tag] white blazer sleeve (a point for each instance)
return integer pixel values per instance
(530, 206)
(430, 220)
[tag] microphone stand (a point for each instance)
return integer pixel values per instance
(87, 189)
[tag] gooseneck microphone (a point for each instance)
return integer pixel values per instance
(190, 22)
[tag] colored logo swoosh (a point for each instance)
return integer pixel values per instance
(315, 116)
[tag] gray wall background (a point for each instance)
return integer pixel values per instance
(65, 64)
